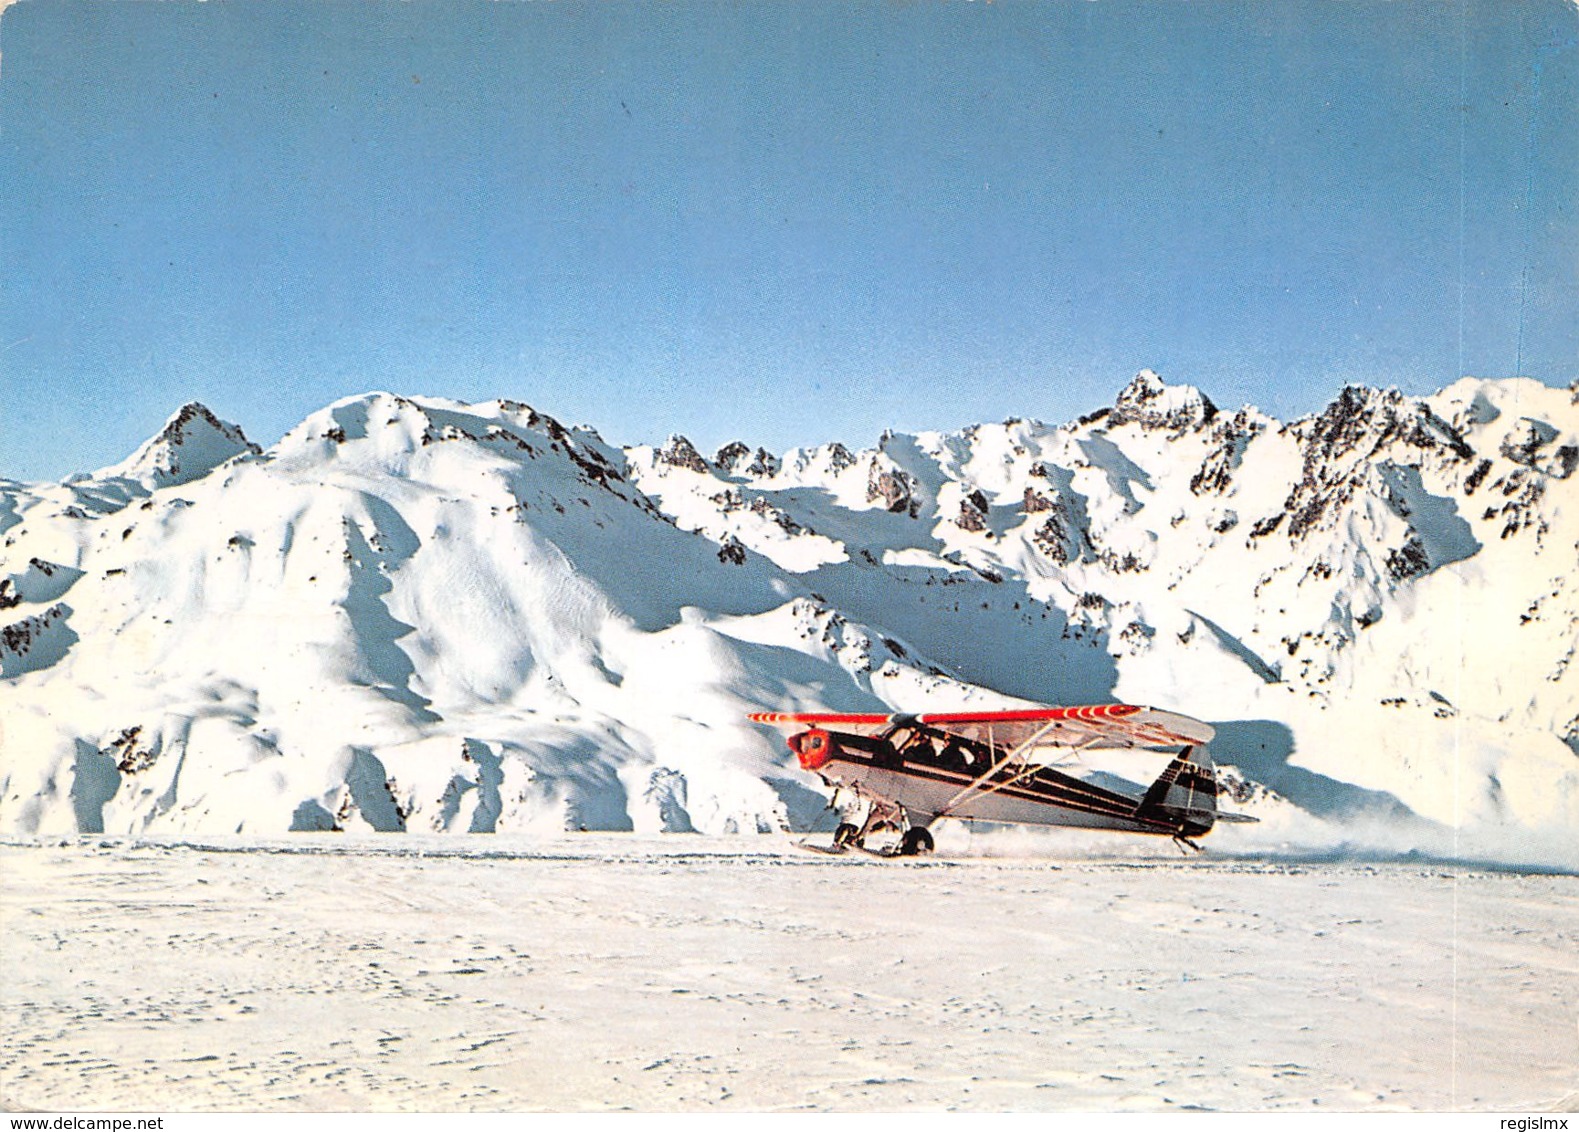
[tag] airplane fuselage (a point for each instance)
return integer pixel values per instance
(932, 775)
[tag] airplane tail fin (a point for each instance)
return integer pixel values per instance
(1184, 793)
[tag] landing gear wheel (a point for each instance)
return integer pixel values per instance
(845, 835)
(917, 840)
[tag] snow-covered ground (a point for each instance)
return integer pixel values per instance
(684, 972)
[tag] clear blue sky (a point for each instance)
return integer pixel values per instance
(780, 221)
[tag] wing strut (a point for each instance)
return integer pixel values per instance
(973, 789)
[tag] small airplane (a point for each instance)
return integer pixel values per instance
(1037, 766)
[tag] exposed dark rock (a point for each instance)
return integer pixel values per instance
(1137, 635)
(761, 506)
(1350, 432)
(1229, 440)
(730, 454)
(1052, 538)
(176, 432)
(1035, 502)
(1146, 401)
(595, 467)
(1524, 442)
(894, 487)
(839, 457)
(444, 433)
(496, 435)
(681, 453)
(1523, 489)
(1408, 561)
(192, 443)
(1530, 444)
(972, 512)
(1126, 563)
(729, 501)
(130, 758)
(737, 459)
(1266, 526)
(32, 642)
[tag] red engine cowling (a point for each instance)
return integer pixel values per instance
(813, 748)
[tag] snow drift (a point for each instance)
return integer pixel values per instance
(414, 614)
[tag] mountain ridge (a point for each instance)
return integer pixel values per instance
(513, 624)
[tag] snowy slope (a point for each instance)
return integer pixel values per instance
(416, 614)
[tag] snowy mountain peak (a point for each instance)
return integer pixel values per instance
(392, 434)
(1362, 421)
(737, 459)
(679, 452)
(1152, 403)
(192, 443)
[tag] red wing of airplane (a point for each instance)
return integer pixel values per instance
(1091, 766)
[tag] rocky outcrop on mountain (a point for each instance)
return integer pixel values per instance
(1532, 443)
(192, 443)
(1151, 403)
(1230, 439)
(972, 514)
(738, 459)
(681, 453)
(892, 487)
